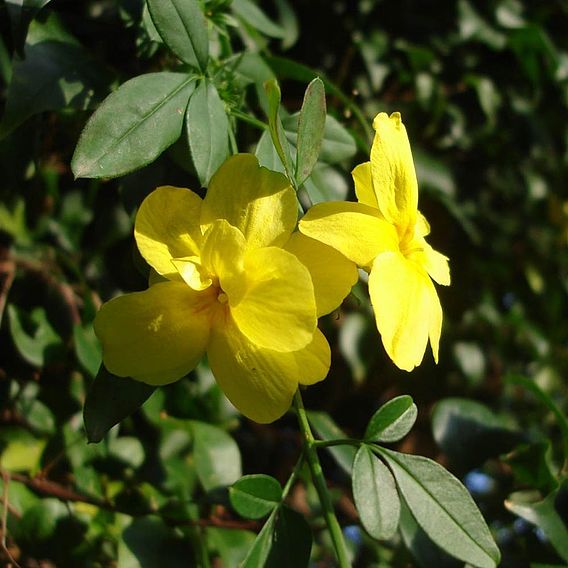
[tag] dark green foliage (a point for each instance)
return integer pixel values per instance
(102, 101)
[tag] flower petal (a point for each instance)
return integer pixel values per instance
(392, 167)
(156, 336)
(437, 265)
(407, 309)
(355, 230)
(422, 227)
(259, 202)
(167, 226)
(364, 185)
(277, 309)
(222, 256)
(261, 382)
(333, 275)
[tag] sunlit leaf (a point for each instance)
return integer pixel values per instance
(375, 495)
(544, 515)
(393, 420)
(443, 508)
(255, 496)
(311, 125)
(133, 125)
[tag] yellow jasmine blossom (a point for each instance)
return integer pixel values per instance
(384, 234)
(231, 280)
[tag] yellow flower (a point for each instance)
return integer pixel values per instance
(234, 281)
(384, 234)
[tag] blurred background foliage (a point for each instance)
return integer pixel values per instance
(483, 89)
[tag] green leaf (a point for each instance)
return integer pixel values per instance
(35, 339)
(111, 399)
(326, 183)
(208, 131)
(469, 433)
(183, 27)
(216, 454)
(258, 553)
(532, 466)
(39, 522)
(426, 553)
(328, 430)
(548, 402)
(21, 451)
(337, 144)
(255, 17)
(443, 508)
(87, 348)
(393, 420)
(133, 125)
(148, 542)
(255, 496)
(291, 540)
(128, 450)
(267, 155)
(544, 515)
(289, 22)
(311, 125)
(231, 545)
(21, 13)
(276, 129)
(56, 73)
(375, 494)
(39, 416)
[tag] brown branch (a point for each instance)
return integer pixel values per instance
(53, 489)
(7, 273)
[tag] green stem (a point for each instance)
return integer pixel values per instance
(248, 118)
(319, 482)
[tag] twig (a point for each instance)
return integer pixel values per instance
(7, 273)
(4, 525)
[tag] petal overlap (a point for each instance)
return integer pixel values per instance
(167, 227)
(333, 275)
(277, 309)
(261, 382)
(257, 201)
(357, 231)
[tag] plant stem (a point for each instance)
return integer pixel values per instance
(250, 119)
(319, 482)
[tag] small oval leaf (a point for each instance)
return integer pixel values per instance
(393, 420)
(133, 125)
(183, 27)
(311, 126)
(255, 496)
(208, 131)
(216, 454)
(375, 495)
